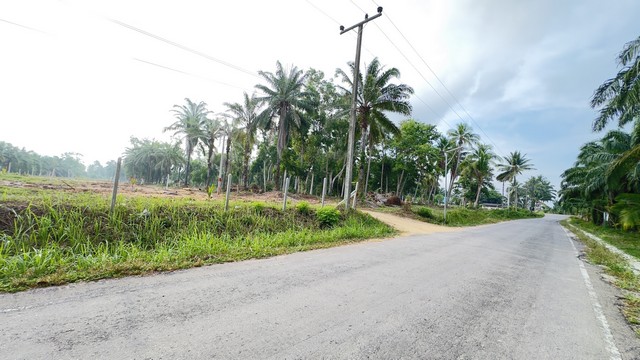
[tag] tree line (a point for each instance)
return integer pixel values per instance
(604, 183)
(296, 122)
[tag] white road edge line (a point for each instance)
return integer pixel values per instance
(597, 308)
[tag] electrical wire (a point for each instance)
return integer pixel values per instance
(185, 48)
(439, 80)
(24, 26)
(187, 73)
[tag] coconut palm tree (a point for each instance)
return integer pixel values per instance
(479, 168)
(285, 99)
(513, 165)
(619, 97)
(376, 97)
(245, 116)
(463, 137)
(190, 122)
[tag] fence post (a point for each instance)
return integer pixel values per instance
(286, 188)
(226, 200)
(115, 185)
(355, 196)
(324, 190)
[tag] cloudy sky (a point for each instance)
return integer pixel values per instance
(75, 76)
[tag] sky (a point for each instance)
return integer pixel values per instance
(76, 77)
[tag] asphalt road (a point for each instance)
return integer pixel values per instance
(513, 290)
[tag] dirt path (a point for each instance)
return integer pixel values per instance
(408, 226)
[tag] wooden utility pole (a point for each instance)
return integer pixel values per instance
(354, 105)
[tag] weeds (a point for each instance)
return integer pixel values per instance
(49, 240)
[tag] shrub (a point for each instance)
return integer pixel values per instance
(424, 212)
(394, 200)
(328, 216)
(257, 206)
(303, 207)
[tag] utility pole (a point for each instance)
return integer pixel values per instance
(354, 100)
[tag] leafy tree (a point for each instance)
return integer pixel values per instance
(189, 124)
(538, 188)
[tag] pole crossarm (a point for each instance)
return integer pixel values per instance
(366, 20)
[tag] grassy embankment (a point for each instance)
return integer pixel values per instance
(614, 264)
(55, 237)
(461, 216)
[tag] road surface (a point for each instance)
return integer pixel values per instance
(514, 290)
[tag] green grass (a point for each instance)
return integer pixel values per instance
(627, 241)
(50, 238)
(471, 217)
(616, 266)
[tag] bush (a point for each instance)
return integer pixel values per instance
(424, 212)
(303, 207)
(328, 216)
(394, 200)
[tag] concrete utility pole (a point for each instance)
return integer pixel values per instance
(352, 120)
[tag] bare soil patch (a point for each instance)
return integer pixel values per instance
(408, 226)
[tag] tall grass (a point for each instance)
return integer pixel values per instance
(48, 240)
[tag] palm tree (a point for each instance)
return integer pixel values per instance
(191, 118)
(285, 97)
(620, 96)
(246, 117)
(479, 167)
(462, 136)
(376, 96)
(212, 129)
(513, 165)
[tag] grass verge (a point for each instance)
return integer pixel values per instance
(470, 217)
(616, 266)
(49, 238)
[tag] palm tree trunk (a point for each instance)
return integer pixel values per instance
(245, 165)
(226, 162)
(188, 167)
(363, 138)
(282, 140)
(366, 183)
(475, 204)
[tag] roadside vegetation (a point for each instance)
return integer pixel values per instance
(614, 264)
(51, 237)
(458, 217)
(603, 186)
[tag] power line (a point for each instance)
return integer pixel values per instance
(185, 48)
(440, 81)
(421, 75)
(186, 73)
(23, 26)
